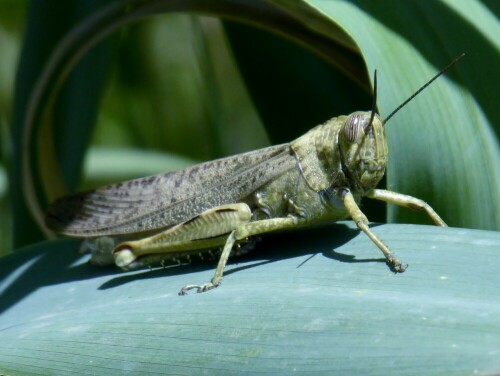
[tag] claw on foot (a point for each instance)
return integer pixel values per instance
(396, 265)
(199, 288)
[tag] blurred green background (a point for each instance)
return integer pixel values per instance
(180, 88)
(12, 21)
(165, 104)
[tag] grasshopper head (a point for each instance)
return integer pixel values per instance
(363, 149)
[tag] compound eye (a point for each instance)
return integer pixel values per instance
(352, 127)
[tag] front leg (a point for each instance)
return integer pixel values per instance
(362, 222)
(406, 201)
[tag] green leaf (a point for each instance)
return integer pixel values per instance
(320, 301)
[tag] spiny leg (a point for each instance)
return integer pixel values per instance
(362, 222)
(215, 282)
(204, 231)
(244, 231)
(406, 201)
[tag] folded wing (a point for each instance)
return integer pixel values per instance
(156, 202)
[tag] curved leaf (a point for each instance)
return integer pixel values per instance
(444, 144)
(307, 302)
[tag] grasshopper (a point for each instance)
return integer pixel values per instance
(218, 206)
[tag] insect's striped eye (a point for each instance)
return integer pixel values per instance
(351, 128)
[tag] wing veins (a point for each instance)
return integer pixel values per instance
(95, 214)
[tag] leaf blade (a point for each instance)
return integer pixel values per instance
(303, 303)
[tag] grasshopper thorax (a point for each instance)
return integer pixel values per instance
(363, 150)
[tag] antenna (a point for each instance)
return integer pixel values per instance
(374, 104)
(422, 88)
